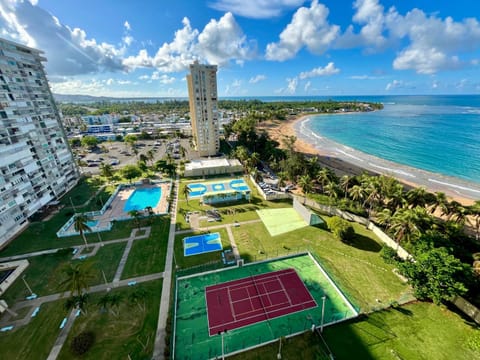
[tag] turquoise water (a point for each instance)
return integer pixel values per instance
(92, 223)
(204, 243)
(440, 134)
(142, 198)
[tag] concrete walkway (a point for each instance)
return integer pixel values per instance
(62, 337)
(159, 345)
(235, 251)
(123, 261)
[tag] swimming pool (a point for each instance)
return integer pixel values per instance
(199, 244)
(142, 198)
(92, 223)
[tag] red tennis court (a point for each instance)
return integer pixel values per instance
(243, 302)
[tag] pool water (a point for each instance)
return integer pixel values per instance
(92, 223)
(142, 198)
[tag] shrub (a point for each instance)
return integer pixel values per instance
(82, 342)
(341, 229)
(389, 255)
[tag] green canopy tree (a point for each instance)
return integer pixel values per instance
(77, 277)
(89, 141)
(435, 274)
(131, 172)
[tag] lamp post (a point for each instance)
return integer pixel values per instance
(221, 333)
(324, 297)
(100, 238)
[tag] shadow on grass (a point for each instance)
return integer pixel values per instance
(365, 243)
(403, 310)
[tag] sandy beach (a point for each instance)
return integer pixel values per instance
(345, 160)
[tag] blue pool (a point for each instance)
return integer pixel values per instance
(92, 223)
(142, 198)
(199, 244)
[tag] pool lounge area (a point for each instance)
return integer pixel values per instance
(127, 197)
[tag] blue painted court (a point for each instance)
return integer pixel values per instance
(199, 244)
(212, 187)
(142, 198)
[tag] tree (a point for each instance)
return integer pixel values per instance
(138, 296)
(77, 277)
(435, 274)
(130, 140)
(78, 302)
(131, 172)
(186, 192)
(305, 182)
(341, 229)
(104, 302)
(89, 141)
(150, 213)
(345, 183)
(150, 155)
(404, 225)
(106, 170)
(357, 193)
(80, 224)
(135, 214)
(474, 212)
(115, 301)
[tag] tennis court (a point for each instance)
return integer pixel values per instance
(261, 310)
(280, 221)
(257, 298)
(200, 244)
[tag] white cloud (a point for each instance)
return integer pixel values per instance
(256, 9)
(309, 28)
(364, 77)
(395, 84)
(307, 86)
(127, 26)
(292, 85)
(235, 88)
(69, 51)
(257, 79)
(328, 70)
(223, 40)
(220, 42)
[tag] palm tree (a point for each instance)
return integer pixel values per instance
(150, 155)
(138, 296)
(186, 192)
(474, 212)
(80, 224)
(441, 203)
(305, 182)
(384, 218)
(77, 277)
(78, 302)
(324, 175)
(345, 182)
(106, 170)
(417, 197)
(404, 225)
(357, 193)
(135, 214)
(115, 301)
(104, 302)
(150, 213)
(457, 211)
(331, 189)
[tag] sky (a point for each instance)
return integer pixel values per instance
(127, 48)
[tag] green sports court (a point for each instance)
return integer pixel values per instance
(193, 334)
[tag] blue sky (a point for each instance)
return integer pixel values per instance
(127, 48)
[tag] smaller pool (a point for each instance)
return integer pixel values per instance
(199, 244)
(143, 198)
(92, 223)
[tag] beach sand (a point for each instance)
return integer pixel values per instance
(345, 160)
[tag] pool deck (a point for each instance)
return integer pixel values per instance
(115, 210)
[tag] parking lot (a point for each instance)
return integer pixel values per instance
(119, 154)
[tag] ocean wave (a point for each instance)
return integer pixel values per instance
(454, 186)
(395, 171)
(349, 155)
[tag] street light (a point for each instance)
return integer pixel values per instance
(222, 333)
(324, 297)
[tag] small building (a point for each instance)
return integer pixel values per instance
(207, 167)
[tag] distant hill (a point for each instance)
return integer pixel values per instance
(62, 98)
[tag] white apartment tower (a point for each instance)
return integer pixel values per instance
(202, 95)
(36, 163)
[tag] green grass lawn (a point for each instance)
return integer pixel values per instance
(197, 260)
(147, 256)
(356, 268)
(416, 331)
(34, 340)
(131, 333)
(44, 273)
(81, 193)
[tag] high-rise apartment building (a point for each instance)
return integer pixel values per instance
(36, 162)
(202, 95)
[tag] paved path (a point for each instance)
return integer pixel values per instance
(159, 345)
(62, 337)
(235, 251)
(123, 261)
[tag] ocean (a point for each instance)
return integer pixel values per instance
(440, 134)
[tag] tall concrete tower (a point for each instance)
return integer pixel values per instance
(202, 94)
(36, 163)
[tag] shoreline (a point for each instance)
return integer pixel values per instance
(346, 160)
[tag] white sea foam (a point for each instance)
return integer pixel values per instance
(349, 155)
(454, 186)
(395, 171)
